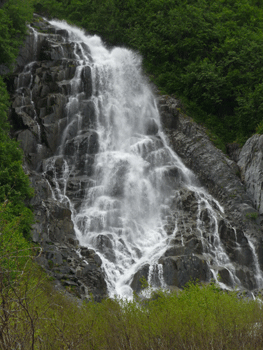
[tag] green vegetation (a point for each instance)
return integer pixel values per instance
(252, 216)
(13, 17)
(34, 316)
(15, 217)
(14, 184)
(207, 52)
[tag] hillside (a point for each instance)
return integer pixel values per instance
(208, 53)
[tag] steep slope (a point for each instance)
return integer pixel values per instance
(113, 202)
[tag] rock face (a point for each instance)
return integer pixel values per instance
(202, 240)
(221, 177)
(40, 88)
(250, 162)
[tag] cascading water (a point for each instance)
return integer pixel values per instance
(131, 190)
(122, 212)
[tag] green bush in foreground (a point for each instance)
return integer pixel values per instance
(34, 316)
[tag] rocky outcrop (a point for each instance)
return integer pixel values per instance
(250, 162)
(215, 171)
(39, 88)
(221, 177)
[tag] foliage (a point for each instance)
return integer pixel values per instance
(14, 183)
(207, 52)
(13, 17)
(35, 316)
(252, 216)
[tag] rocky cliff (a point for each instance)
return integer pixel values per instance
(211, 232)
(232, 183)
(39, 96)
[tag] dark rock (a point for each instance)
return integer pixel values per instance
(233, 150)
(240, 222)
(27, 141)
(152, 127)
(89, 116)
(39, 117)
(73, 241)
(225, 277)
(86, 252)
(54, 256)
(177, 271)
(87, 143)
(250, 162)
(104, 245)
(87, 81)
(97, 259)
(138, 281)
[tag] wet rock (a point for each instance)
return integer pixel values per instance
(89, 115)
(104, 245)
(86, 252)
(87, 81)
(221, 177)
(193, 245)
(39, 118)
(225, 277)
(97, 259)
(211, 166)
(87, 143)
(247, 278)
(152, 127)
(179, 270)
(138, 281)
(27, 141)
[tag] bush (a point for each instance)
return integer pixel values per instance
(34, 315)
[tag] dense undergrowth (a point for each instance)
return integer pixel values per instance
(35, 316)
(207, 52)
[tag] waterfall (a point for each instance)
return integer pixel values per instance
(132, 199)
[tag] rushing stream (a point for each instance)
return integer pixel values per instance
(129, 179)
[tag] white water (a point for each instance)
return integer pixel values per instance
(136, 175)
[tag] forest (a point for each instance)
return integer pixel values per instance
(209, 55)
